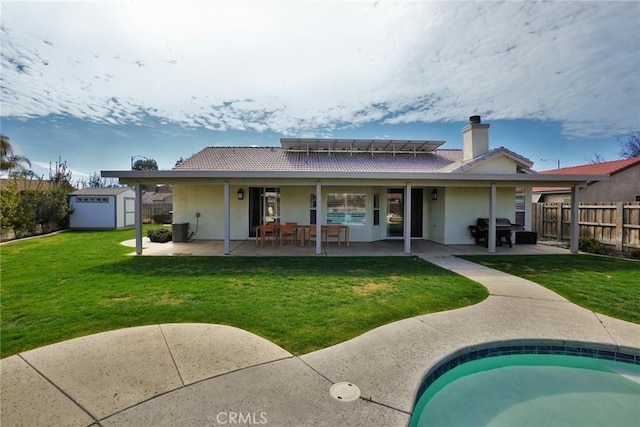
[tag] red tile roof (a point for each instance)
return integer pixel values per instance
(604, 168)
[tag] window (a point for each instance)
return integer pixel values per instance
(637, 197)
(312, 208)
(346, 208)
(520, 205)
(92, 200)
(376, 209)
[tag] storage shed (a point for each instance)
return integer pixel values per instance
(102, 208)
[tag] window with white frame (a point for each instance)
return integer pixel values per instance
(92, 200)
(346, 208)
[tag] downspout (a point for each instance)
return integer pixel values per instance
(575, 217)
(407, 219)
(227, 219)
(492, 220)
(138, 218)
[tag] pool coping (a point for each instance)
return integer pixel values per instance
(471, 353)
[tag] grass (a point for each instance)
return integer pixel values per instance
(78, 283)
(610, 286)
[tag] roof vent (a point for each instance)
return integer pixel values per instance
(474, 119)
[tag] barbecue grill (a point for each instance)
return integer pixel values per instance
(504, 227)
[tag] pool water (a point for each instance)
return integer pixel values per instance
(533, 390)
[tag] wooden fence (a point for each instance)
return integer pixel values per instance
(615, 224)
(156, 212)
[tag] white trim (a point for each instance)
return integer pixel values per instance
(491, 235)
(319, 218)
(227, 219)
(407, 218)
(138, 220)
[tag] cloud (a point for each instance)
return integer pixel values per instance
(296, 68)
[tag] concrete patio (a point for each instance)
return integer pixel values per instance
(207, 375)
(378, 248)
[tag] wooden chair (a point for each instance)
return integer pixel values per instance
(268, 232)
(288, 232)
(333, 231)
(312, 233)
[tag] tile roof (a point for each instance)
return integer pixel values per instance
(604, 168)
(275, 159)
(464, 165)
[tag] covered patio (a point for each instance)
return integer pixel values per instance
(378, 248)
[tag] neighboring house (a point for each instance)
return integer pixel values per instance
(381, 189)
(157, 205)
(102, 208)
(23, 184)
(623, 184)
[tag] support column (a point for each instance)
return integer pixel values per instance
(138, 218)
(319, 216)
(407, 218)
(227, 219)
(528, 208)
(491, 235)
(575, 218)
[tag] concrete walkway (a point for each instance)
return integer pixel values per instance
(208, 375)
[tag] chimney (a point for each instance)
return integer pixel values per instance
(475, 138)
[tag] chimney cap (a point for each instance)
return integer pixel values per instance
(474, 119)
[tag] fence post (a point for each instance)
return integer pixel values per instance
(559, 216)
(619, 225)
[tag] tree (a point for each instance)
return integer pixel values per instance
(145, 165)
(9, 160)
(53, 205)
(595, 158)
(630, 145)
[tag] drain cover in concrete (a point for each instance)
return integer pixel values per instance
(344, 392)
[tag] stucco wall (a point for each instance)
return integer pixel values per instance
(445, 220)
(436, 216)
(500, 164)
(463, 206)
(621, 187)
(208, 201)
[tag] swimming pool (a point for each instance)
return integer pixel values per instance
(510, 386)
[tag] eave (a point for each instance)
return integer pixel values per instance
(305, 178)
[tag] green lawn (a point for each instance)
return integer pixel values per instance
(605, 285)
(77, 283)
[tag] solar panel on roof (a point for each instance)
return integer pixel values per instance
(360, 145)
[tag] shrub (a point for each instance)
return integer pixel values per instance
(159, 235)
(591, 245)
(162, 218)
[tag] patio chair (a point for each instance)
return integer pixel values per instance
(268, 232)
(288, 232)
(312, 233)
(333, 232)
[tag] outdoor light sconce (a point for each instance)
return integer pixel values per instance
(434, 194)
(240, 194)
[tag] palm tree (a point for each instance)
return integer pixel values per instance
(9, 160)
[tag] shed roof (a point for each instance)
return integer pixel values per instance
(100, 191)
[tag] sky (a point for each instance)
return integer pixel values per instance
(97, 83)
